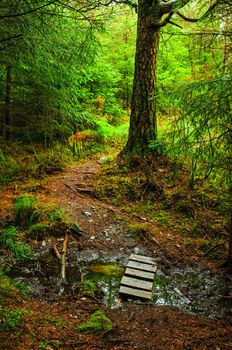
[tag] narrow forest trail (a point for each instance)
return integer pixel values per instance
(74, 191)
(50, 324)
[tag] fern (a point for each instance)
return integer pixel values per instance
(25, 210)
(10, 240)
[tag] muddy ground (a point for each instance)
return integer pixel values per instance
(109, 236)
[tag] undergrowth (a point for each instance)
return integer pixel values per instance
(19, 161)
(150, 188)
(10, 239)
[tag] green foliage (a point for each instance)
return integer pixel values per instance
(10, 239)
(108, 131)
(58, 216)
(47, 345)
(10, 169)
(7, 286)
(10, 319)
(10, 287)
(87, 287)
(96, 324)
(53, 160)
(201, 132)
(59, 221)
(25, 210)
(39, 230)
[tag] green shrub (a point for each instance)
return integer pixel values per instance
(96, 324)
(25, 210)
(10, 169)
(59, 220)
(10, 239)
(53, 160)
(10, 319)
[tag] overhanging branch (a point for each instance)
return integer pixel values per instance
(206, 14)
(29, 11)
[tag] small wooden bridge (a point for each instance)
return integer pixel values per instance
(138, 278)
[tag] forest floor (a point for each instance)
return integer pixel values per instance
(111, 232)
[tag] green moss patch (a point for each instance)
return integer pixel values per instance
(96, 324)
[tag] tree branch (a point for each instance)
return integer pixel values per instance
(11, 38)
(166, 7)
(29, 11)
(167, 19)
(210, 9)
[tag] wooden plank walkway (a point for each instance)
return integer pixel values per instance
(138, 277)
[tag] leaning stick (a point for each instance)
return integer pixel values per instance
(63, 257)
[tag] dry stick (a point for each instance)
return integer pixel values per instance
(63, 257)
(56, 251)
(222, 296)
(75, 191)
(214, 247)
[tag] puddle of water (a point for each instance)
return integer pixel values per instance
(108, 278)
(195, 291)
(189, 288)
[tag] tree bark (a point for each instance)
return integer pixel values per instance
(143, 125)
(7, 112)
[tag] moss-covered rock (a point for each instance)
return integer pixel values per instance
(96, 324)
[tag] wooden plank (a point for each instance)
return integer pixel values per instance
(141, 266)
(142, 258)
(140, 274)
(132, 292)
(136, 283)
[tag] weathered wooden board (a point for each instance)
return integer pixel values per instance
(141, 258)
(135, 292)
(141, 266)
(140, 274)
(136, 283)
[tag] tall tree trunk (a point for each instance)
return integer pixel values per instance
(7, 112)
(143, 128)
(229, 259)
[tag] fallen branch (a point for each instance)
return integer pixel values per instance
(222, 296)
(56, 252)
(213, 248)
(72, 189)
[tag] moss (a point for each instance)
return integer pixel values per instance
(96, 324)
(39, 230)
(107, 269)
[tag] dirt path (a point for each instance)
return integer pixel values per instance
(51, 325)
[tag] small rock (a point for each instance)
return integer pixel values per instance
(136, 250)
(90, 221)
(92, 238)
(44, 243)
(87, 213)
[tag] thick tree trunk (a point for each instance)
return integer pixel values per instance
(230, 241)
(143, 128)
(7, 112)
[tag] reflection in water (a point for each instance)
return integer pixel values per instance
(108, 278)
